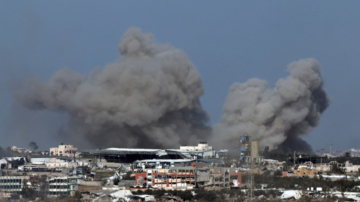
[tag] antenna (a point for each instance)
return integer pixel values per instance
(330, 149)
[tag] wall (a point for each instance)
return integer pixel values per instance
(90, 183)
(305, 172)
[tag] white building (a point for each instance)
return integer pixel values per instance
(57, 163)
(20, 150)
(12, 184)
(63, 186)
(63, 150)
(354, 152)
(271, 164)
(351, 168)
(201, 146)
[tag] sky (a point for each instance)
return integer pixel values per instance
(228, 41)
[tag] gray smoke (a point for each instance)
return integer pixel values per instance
(149, 97)
(276, 117)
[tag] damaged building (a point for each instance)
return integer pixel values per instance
(129, 155)
(12, 162)
(189, 177)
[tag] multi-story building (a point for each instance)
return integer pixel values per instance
(12, 184)
(189, 177)
(63, 150)
(63, 186)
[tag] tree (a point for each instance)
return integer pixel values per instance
(33, 146)
(27, 192)
(278, 173)
(205, 195)
(77, 196)
(336, 169)
(185, 195)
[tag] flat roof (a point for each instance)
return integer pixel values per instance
(141, 151)
(165, 160)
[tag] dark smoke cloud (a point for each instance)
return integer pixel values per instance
(149, 97)
(276, 117)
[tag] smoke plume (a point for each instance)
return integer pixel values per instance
(276, 117)
(149, 97)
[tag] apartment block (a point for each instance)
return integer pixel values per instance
(12, 184)
(62, 186)
(188, 178)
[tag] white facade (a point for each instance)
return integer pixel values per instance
(326, 167)
(12, 184)
(350, 168)
(62, 186)
(20, 150)
(354, 152)
(63, 150)
(201, 146)
(57, 163)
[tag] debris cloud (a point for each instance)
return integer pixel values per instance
(148, 97)
(276, 117)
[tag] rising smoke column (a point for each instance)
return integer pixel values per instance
(276, 117)
(149, 97)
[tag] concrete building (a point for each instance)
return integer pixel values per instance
(21, 150)
(189, 177)
(355, 152)
(12, 162)
(63, 150)
(271, 164)
(303, 171)
(12, 184)
(254, 149)
(326, 167)
(200, 147)
(254, 153)
(63, 186)
(350, 168)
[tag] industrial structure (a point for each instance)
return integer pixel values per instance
(129, 155)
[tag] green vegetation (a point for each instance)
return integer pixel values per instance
(27, 192)
(85, 170)
(33, 146)
(336, 169)
(76, 198)
(201, 194)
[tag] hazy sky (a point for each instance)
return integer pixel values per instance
(228, 41)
